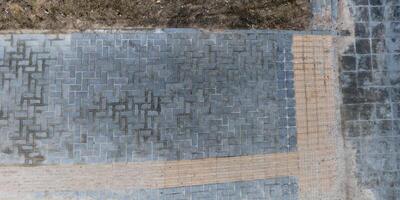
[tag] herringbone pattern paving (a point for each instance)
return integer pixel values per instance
(90, 98)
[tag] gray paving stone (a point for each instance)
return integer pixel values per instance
(280, 188)
(370, 109)
(145, 95)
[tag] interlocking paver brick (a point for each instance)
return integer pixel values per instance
(147, 95)
(280, 188)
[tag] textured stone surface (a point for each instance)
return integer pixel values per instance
(313, 163)
(87, 98)
(324, 14)
(281, 188)
(185, 94)
(370, 77)
(147, 95)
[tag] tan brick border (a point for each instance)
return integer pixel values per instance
(316, 115)
(314, 164)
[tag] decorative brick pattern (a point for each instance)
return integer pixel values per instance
(313, 164)
(28, 112)
(90, 97)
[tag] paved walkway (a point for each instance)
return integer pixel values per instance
(190, 114)
(370, 75)
(205, 108)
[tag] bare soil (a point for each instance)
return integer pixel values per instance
(210, 14)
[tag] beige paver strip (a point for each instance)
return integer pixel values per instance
(314, 164)
(315, 117)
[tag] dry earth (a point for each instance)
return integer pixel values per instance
(210, 14)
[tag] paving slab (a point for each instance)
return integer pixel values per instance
(173, 113)
(369, 77)
(168, 109)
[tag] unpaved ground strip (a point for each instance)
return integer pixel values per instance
(82, 14)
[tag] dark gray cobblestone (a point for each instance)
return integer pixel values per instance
(370, 77)
(282, 188)
(145, 95)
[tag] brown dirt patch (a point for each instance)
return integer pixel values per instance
(211, 14)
